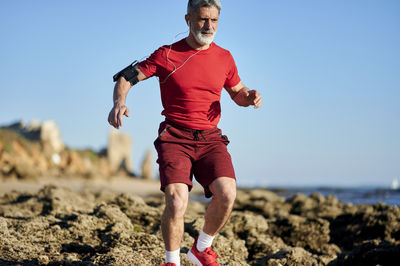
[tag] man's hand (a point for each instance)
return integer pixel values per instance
(120, 91)
(254, 98)
(242, 96)
(116, 113)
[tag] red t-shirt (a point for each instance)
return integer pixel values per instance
(191, 95)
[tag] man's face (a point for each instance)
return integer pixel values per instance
(204, 24)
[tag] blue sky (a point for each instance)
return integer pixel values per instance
(329, 73)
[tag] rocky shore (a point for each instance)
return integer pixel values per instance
(97, 214)
(59, 226)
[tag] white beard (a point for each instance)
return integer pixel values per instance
(201, 39)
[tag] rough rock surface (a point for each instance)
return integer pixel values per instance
(119, 151)
(57, 226)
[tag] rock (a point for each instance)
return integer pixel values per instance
(76, 226)
(58, 200)
(147, 165)
(252, 229)
(3, 227)
(315, 206)
(47, 133)
(293, 256)
(262, 202)
(59, 226)
(230, 250)
(72, 163)
(23, 164)
(263, 194)
(51, 138)
(24, 154)
(370, 252)
(246, 224)
(378, 221)
(310, 234)
(119, 151)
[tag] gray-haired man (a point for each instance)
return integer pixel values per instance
(192, 73)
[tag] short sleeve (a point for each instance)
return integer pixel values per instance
(232, 77)
(153, 64)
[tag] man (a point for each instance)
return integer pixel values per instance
(192, 73)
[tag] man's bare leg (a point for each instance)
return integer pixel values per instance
(172, 220)
(220, 208)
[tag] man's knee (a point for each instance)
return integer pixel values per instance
(224, 192)
(176, 199)
(226, 198)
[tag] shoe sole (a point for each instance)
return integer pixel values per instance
(193, 258)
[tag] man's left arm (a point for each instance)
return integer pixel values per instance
(243, 96)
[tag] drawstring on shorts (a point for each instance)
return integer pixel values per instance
(196, 134)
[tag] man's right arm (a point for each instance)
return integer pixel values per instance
(121, 90)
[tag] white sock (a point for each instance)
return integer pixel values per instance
(173, 257)
(204, 241)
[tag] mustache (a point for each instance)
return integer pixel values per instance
(208, 31)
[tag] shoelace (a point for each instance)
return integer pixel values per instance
(212, 255)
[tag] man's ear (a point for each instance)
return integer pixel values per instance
(187, 18)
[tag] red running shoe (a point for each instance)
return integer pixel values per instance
(206, 258)
(168, 264)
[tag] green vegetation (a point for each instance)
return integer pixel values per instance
(8, 136)
(92, 155)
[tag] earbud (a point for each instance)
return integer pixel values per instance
(188, 23)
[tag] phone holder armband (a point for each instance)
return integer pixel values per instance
(129, 73)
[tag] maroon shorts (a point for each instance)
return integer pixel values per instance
(184, 152)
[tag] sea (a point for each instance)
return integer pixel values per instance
(360, 195)
(389, 195)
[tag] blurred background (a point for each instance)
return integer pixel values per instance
(328, 71)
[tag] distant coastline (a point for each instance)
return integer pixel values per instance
(355, 195)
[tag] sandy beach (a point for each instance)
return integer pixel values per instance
(125, 184)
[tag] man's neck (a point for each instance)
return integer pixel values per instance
(191, 41)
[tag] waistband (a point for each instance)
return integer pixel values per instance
(205, 131)
(195, 132)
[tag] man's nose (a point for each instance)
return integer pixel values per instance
(207, 25)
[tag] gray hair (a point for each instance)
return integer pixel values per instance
(195, 5)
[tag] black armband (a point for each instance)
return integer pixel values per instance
(129, 73)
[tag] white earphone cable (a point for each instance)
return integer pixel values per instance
(184, 62)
